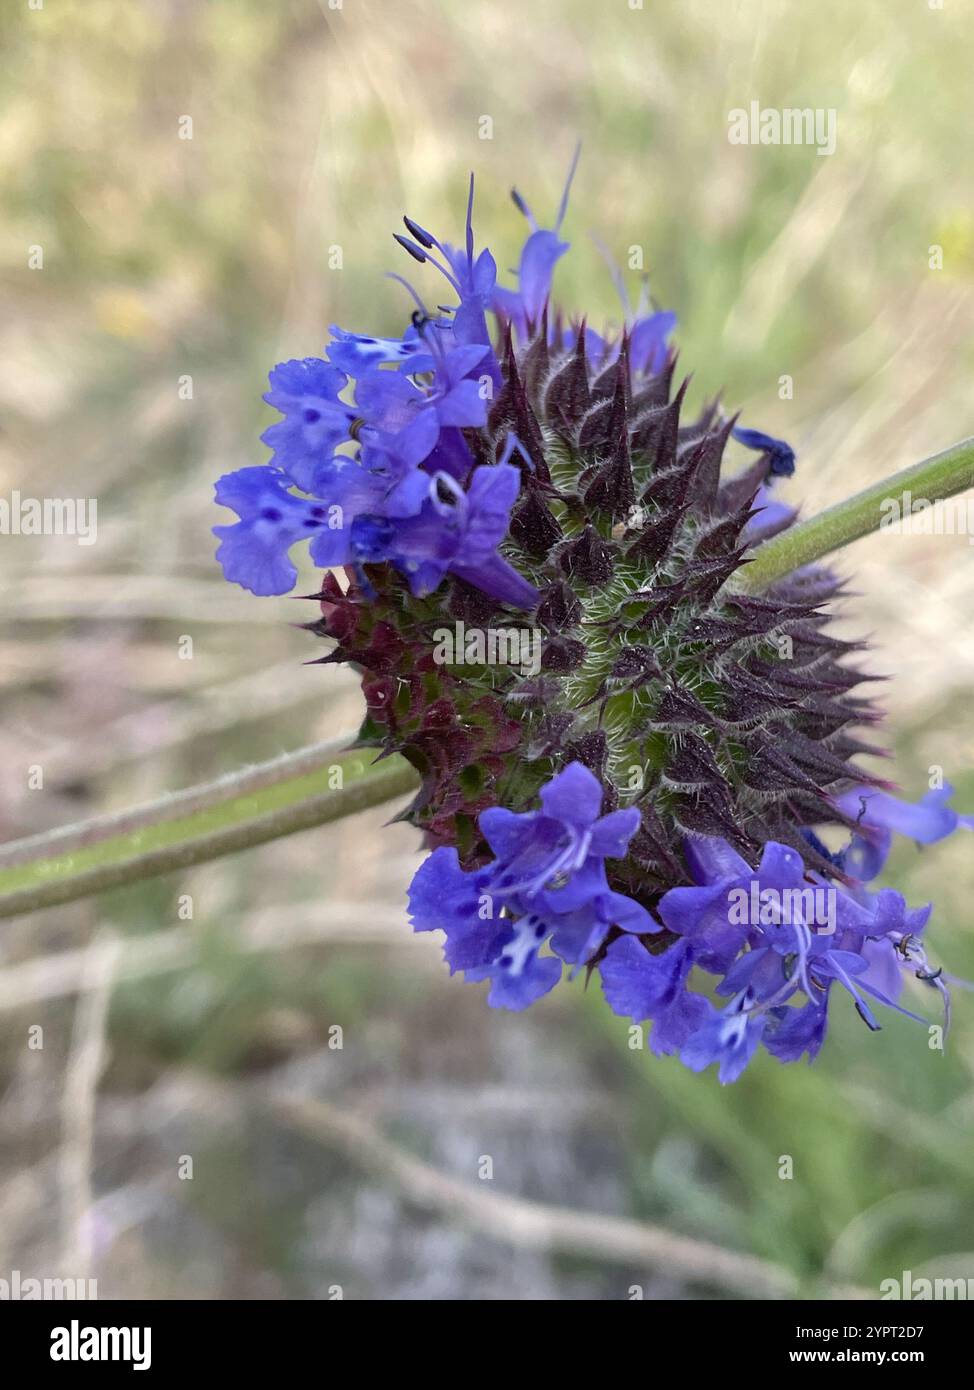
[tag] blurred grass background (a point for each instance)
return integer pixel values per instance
(210, 258)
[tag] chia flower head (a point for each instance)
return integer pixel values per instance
(655, 799)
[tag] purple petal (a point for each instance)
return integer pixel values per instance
(797, 1030)
(611, 834)
(926, 821)
(494, 576)
(573, 796)
(542, 250)
(711, 860)
(638, 984)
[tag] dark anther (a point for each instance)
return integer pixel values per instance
(422, 237)
(411, 247)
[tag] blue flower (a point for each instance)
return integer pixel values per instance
(316, 422)
(647, 335)
(453, 532)
(777, 461)
(794, 1031)
(404, 420)
(647, 341)
(648, 986)
(647, 332)
(476, 278)
(771, 516)
(410, 494)
(878, 815)
(355, 353)
(781, 456)
(777, 954)
(254, 550)
(729, 1037)
(426, 526)
(539, 256)
(547, 883)
(471, 277)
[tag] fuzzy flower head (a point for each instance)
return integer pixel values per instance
(637, 767)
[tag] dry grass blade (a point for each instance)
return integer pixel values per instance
(553, 1230)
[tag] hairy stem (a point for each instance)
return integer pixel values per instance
(311, 787)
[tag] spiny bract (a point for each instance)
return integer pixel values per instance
(543, 563)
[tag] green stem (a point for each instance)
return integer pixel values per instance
(932, 479)
(304, 789)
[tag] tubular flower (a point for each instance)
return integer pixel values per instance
(629, 764)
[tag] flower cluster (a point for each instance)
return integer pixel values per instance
(547, 884)
(409, 494)
(654, 800)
